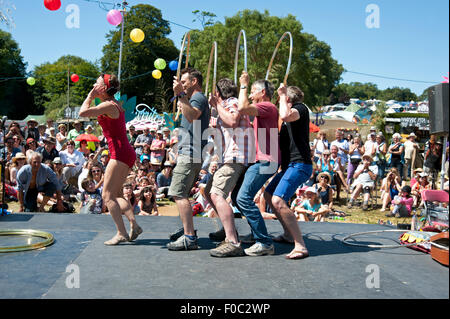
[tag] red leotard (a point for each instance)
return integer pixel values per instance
(116, 134)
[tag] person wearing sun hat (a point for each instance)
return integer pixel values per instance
(32, 131)
(311, 208)
(48, 151)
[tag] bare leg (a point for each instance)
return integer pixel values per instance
(287, 235)
(115, 174)
(290, 222)
(226, 217)
(185, 209)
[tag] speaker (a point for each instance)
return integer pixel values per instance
(438, 107)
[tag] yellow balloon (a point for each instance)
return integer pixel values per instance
(157, 74)
(137, 35)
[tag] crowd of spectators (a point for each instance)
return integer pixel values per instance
(46, 164)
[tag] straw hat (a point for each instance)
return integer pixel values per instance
(311, 190)
(324, 174)
(32, 121)
(367, 156)
(19, 155)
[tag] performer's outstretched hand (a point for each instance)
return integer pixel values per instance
(244, 79)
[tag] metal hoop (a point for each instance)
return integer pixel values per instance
(49, 239)
(213, 51)
(377, 246)
(180, 59)
(291, 48)
(236, 57)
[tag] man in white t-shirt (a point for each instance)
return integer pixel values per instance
(411, 149)
(72, 161)
(370, 146)
(365, 176)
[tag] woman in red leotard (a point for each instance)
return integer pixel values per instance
(111, 117)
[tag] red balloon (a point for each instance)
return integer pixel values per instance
(52, 5)
(74, 77)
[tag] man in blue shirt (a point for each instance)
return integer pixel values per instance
(34, 178)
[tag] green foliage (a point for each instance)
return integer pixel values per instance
(206, 18)
(313, 69)
(15, 96)
(52, 82)
(368, 91)
(138, 58)
(398, 94)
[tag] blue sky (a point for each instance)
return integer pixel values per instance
(412, 41)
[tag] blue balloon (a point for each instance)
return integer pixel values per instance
(173, 65)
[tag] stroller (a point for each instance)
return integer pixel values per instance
(434, 213)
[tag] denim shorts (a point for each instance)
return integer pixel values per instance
(285, 183)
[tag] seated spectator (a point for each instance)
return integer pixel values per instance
(42, 135)
(84, 172)
(390, 187)
(91, 198)
(324, 190)
(34, 178)
(84, 149)
(129, 195)
(73, 161)
(320, 144)
(147, 202)
(421, 185)
(17, 162)
(146, 153)
(415, 177)
(48, 151)
(365, 176)
(31, 145)
(9, 151)
(104, 159)
(311, 208)
(163, 180)
(97, 175)
(402, 205)
(331, 164)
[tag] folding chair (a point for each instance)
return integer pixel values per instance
(434, 212)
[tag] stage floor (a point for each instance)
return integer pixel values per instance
(79, 265)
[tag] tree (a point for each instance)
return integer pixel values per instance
(357, 90)
(206, 18)
(138, 58)
(52, 80)
(398, 94)
(313, 69)
(15, 96)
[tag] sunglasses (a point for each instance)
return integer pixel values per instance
(323, 177)
(96, 171)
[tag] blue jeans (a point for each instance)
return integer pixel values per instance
(254, 180)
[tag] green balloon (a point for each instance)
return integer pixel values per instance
(97, 101)
(160, 64)
(31, 81)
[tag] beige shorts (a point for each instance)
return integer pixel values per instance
(184, 176)
(225, 179)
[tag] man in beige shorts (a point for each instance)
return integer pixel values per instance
(237, 135)
(195, 110)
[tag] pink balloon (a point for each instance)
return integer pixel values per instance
(114, 17)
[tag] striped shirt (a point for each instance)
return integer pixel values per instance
(237, 143)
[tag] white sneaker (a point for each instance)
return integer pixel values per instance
(259, 249)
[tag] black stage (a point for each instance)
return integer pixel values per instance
(146, 269)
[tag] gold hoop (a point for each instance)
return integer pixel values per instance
(291, 44)
(180, 59)
(236, 57)
(49, 239)
(212, 54)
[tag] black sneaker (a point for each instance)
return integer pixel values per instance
(218, 235)
(180, 232)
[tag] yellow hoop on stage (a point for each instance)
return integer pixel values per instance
(291, 47)
(236, 57)
(180, 59)
(212, 54)
(49, 239)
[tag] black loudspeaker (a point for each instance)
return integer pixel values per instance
(438, 107)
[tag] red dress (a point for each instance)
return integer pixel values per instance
(116, 135)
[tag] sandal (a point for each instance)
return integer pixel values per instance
(116, 240)
(281, 239)
(298, 254)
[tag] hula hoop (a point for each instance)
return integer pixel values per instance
(212, 54)
(377, 246)
(180, 59)
(236, 57)
(49, 239)
(291, 48)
